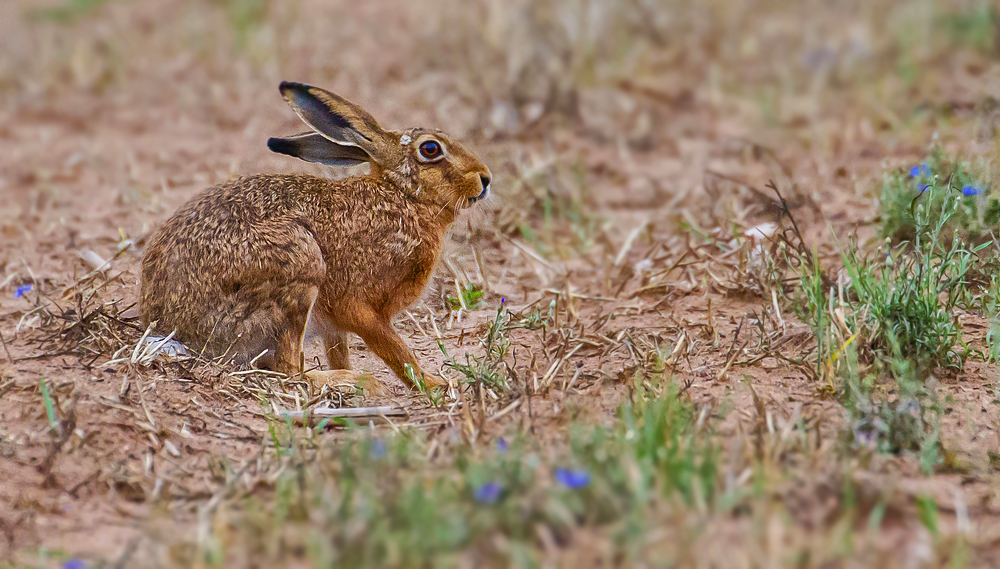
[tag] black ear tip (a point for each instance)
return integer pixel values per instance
(279, 145)
(286, 86)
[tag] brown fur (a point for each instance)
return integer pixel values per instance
(239, 269)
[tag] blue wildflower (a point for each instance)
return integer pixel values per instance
(488, 493)
(378, 449)
(922, 188)
(74, 564)
(501, 445)
(22, 290)
(920, 170)
(572, 478)
(971, 191)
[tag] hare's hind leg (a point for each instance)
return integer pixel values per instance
(295, 308)
(271, 334)
(275, 295)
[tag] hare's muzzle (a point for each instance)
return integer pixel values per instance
(485, 180)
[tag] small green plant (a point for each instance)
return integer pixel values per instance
(490, 369)
(50, 410)
(812, 307)
(991, 309)
(932, 183)
(659, 440)
(927, 509)
(909, 300)
(899, 416)
(469, 298)
(904, 297)
(535, 319)
(434, 394)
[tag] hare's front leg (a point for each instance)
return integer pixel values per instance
(337, 355)
(377, 332)
(321, 325)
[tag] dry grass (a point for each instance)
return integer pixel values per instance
(672, 177)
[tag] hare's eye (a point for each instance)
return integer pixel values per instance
(430, 150)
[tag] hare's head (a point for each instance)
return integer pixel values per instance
(425, 164)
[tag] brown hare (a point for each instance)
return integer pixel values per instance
(242, 268)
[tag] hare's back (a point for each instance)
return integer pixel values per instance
(237, 239)
(234, 224)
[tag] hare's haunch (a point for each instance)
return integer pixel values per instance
(242, 268)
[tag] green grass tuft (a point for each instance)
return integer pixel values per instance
(470, 298)
(902, 301)
(490, 369)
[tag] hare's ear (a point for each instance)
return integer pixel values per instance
(338, 120)
(314, 147)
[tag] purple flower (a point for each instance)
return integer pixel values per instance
(74, 564)
(572, 478)
(920, 170)
(922, 188)
(501, 445)
(503, 299)
(971, 191)
(488, 493)
(865, 437)
(22, 290)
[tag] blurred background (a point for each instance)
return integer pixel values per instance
(117, 110)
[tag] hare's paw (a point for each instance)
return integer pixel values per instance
(431, 381)
(332, 377)
(340, 379)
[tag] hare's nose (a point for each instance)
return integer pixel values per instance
(485, 180)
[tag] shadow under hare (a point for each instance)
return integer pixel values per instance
(245, 266)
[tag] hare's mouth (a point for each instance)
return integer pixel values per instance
(483, 195)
